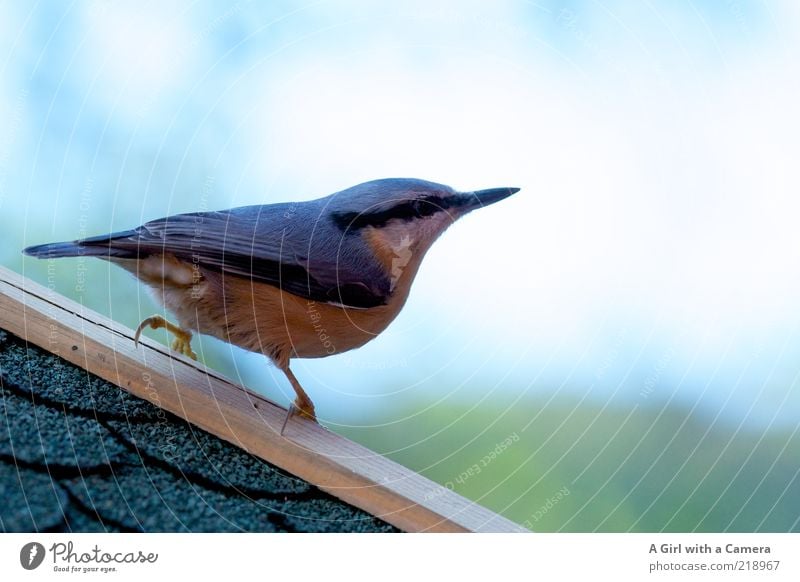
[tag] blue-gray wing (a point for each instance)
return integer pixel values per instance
(288, 246)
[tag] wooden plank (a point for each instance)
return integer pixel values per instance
(203, 397)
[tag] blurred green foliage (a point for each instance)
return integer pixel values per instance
(579, 467)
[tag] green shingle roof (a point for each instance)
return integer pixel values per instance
(79, 454)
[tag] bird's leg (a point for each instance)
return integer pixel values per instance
(302, 405)
(183, 339)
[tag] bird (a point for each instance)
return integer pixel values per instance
(287, 280)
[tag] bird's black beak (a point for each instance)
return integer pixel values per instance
(481, 198)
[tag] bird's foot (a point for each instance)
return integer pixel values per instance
(183, 339)
(183, 344)
(301, 408)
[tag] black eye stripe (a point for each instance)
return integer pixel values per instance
(407, 210)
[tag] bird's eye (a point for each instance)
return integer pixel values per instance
(422, 208)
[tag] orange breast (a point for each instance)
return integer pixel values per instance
(260, 317)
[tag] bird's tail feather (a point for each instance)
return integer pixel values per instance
(69, 249)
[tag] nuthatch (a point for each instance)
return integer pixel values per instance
(307, 279)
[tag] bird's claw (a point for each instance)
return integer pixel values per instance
(301, 409)
(147, 322)
(183, 339)
(184, 346)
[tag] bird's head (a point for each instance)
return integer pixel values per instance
(400, 218)
(405, 209)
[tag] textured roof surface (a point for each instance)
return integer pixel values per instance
(79, 454)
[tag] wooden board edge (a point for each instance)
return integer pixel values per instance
(248, 420)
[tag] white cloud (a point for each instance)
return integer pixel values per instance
(664, 199)
(135, 58)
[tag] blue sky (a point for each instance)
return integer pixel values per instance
(654, 241)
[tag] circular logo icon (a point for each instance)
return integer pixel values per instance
(31, 555)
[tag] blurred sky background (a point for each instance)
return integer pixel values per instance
(649, 268)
